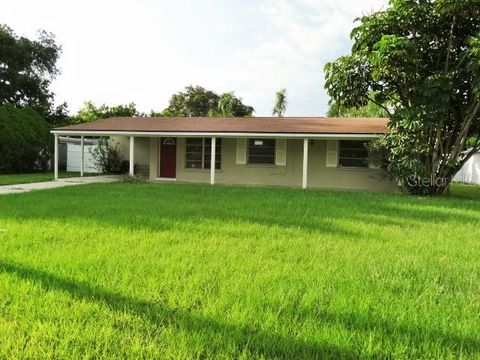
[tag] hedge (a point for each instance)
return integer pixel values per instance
(25, 140)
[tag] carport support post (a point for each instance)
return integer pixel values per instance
(212, 161)
(305, 163)
(55, 159)
(131, 158)
(82, 155)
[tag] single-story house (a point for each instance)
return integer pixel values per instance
(296, 152)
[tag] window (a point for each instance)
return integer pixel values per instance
(261, 151)
(353, 153)
(198, 153)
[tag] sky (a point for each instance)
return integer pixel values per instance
(118, 51)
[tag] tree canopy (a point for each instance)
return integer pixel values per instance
(419, 60)
(27, 67)
(91, 112)
(197, 101)
(371, 110)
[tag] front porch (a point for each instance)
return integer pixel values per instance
(293, 152)
(303, 162)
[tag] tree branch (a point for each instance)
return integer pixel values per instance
(378, 104)
(450, 44)
(464, 131)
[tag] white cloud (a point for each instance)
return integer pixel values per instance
(299, 37)
(144, 50)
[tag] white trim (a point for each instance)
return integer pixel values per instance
(241, 151)
(55, 158)
(281, 152)
(213, 153)
(165, 179)
(73, 140)
(217, 134)
(132, 156)
(331, 157)
(305, 164)
(82, 155)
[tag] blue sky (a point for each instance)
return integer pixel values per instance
(145, 50)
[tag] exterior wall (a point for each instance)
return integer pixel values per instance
(141, 151)
(319, 175)
(153, 157)
(231, 173)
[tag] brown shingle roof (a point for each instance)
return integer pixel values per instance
(291, 125)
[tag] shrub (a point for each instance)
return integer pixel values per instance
(25, 140)
(135, 179)
(107, 158)
(124, 166)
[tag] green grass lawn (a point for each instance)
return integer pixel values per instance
(11, 179)
(192, 271)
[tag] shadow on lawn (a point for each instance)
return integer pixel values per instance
(408, 335)
(256, 342)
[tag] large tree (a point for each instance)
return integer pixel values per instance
(90, 112)
(371, 110)
(420, 61)
(198, 101)
(229, 105)
(27, 67)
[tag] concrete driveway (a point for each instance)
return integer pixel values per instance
(20, 188)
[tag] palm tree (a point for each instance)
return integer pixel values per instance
(280, 103)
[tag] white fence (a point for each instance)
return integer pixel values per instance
(73, 158)
(470, 172)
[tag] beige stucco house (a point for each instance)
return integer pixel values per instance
(295, 152)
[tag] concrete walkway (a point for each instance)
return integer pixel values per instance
(20, 188)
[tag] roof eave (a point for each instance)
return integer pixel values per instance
(290, 135)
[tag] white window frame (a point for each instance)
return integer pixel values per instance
(205, 142)
(339, 157)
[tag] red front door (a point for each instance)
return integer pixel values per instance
(168, 157)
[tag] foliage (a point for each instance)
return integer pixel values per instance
(134, 179)
(280, 103)
(27, 67)
(107, 157)
(149, 271)
(25, 140)
(226, 104)
(166, 113)
(371, 110)
(58, 116)
(420, 61)
(229, 105)
(194, 101)
(197, 101)
(91, 112)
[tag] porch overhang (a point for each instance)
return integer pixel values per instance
(332, 136)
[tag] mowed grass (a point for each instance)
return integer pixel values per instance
(190, 271)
